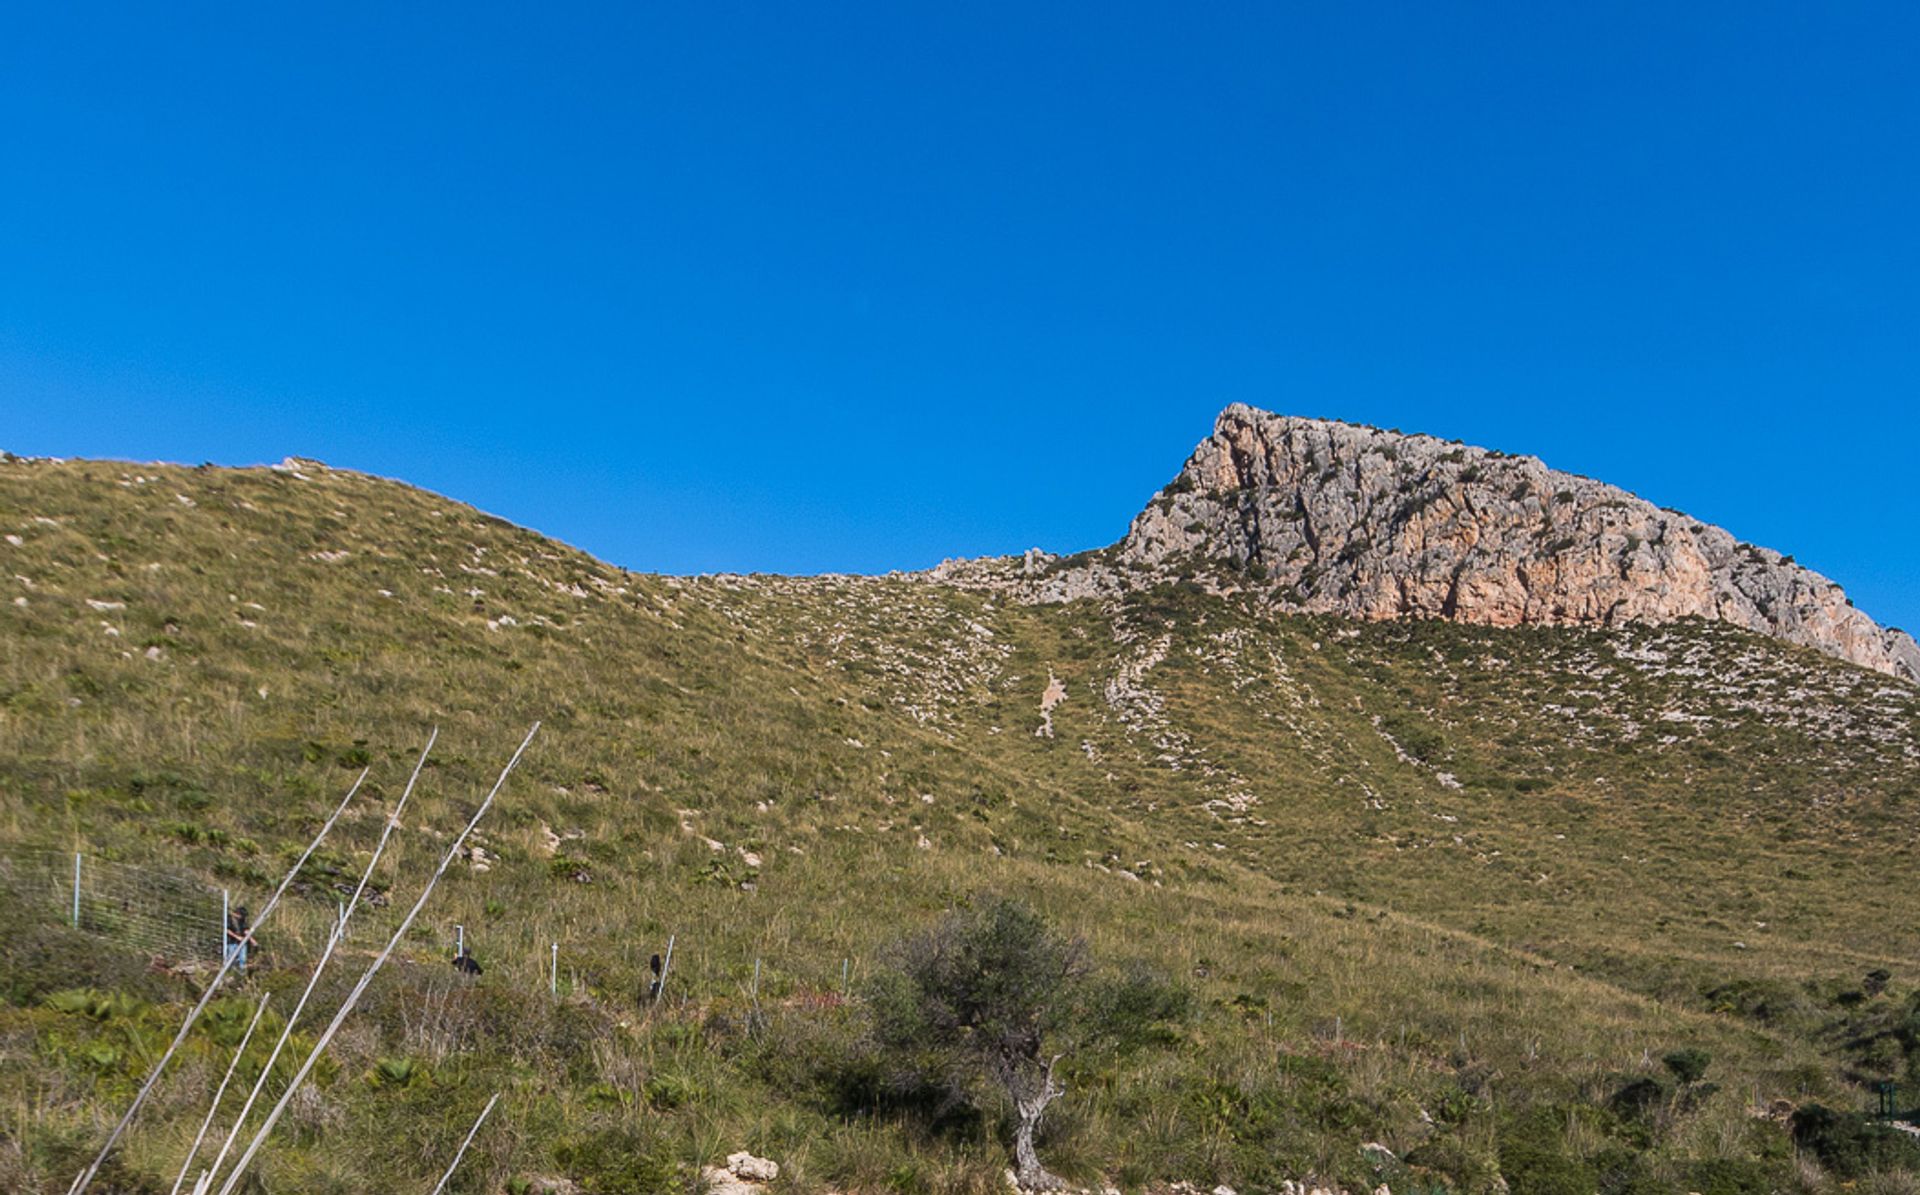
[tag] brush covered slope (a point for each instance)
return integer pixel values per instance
(1444, 891)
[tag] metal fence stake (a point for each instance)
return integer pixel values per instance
(664, 968)
(76, 889)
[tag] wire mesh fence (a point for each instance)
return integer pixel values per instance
(155, 912)
(177, 918)
(182, 920)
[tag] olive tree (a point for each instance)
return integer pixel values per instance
(992, 992)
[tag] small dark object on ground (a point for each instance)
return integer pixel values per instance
(466, 964)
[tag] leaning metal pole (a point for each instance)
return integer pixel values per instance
(359, 989)
(462, 1151)
(220, 1094)
(86, 1176)
(333, 943)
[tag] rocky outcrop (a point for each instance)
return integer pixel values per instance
(743, 1174)
(1370, 524)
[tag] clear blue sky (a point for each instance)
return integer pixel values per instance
(832, 286)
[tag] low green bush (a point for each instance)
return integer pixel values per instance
(1851, 1146)
(621, 1161)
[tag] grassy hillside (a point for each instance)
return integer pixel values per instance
(1446, 889)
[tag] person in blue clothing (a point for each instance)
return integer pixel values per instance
(239, 936)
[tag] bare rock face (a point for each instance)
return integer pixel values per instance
(1373, 524)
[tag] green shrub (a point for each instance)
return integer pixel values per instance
(621, 1161)
(1732, 1176)
(1849, 1145)
(1688, 1065)
(1638, 1100)
(1622, 1171)
(1417, 738)
(1137, 1007)
(669, 1089)
(1535, 1160)
(395, 1072)
(1450, 1157)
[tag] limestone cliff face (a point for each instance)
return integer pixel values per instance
(1374, 524)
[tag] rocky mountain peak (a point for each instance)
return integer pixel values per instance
(1337, 518)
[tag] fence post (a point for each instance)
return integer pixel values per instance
(844, 964)
(553, 976)
(665, 966)
(459, 940)
(222, 954)
(756, 978)
(76, 889)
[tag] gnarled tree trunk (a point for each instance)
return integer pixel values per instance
(1031, 1094)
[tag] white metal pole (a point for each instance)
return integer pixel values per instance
(273, 1056)
(220, 1093)
(366, 977)
(462, 1151)
(664, 968)
(553, 974)
(76, 889)
(338, 936)
(153, 1076)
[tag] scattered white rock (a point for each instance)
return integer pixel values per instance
(759, 1170)
(743, 1174)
